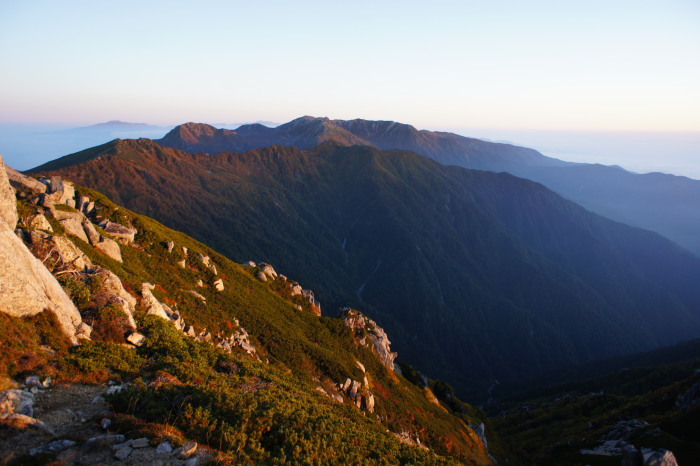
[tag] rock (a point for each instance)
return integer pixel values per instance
(187, 450)
(152, 305)
(631, 456)
(200, 283)
(123, 453)
(197, 295)
(690, 398)
(315, 305)
(261, 276)
(47, 382)
(624, 430)
(250, 264)
(26, 285)
(40, 222)
(60, 191)
(106, 423)
(296, 289)
(140, 443)
(268, 270)
(184, 251)
(368, 403)
(206, 260)
(360, 366)
(53, 447)
(219, 285)
(89, 207)
(213, 270)
(364, 328)
(83, 331)
(70, 203)
(24, 183)
(192, 461)
(112, 292)
(136, 339)
(189, 331)
(8, 202)
(83, 201)
(70, 254)
(108, 439)
(115, 389)
(182, 263)
(23, 422)
(481, 432)
(91, 232)
(658, 457)
(119, 231)
(170, 245)
(15, 401)
(110, 248)
(164, 447)
(33, 381)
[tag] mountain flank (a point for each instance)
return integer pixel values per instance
(479, 277)
(662, 203)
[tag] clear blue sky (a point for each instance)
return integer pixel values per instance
(596, 65)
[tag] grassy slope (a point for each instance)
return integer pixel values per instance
(299, 346)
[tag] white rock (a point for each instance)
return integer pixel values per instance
(136, 339)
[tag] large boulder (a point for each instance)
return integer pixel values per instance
(60, 191)
(8, 202)
(74, 226)
(26, 286)
(24, 183)
(110, 248)
(119, 231)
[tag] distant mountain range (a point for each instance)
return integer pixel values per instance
(479, 277)
(663, 203)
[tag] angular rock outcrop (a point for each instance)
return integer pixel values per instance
(119, 231)
(367, 332)
(111, 291)
(40, 222)
(24, 183)
(152, 305)
(26, 285)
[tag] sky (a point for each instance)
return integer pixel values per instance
(611, 66)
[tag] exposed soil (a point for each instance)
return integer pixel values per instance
(75, 413)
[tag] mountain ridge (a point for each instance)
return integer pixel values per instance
(662, 204)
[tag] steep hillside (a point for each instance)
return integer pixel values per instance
(234, 357)
(479, 277)
(662, 203)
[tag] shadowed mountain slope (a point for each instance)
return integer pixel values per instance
(666, 204)
(477, 276)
